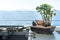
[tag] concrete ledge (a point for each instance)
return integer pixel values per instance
(57, 28)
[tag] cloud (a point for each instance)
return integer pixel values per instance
(26, 4)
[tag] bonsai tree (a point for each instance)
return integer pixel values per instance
(46, 12)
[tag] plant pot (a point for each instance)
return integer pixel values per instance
(43, 30)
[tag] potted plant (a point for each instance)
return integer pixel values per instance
(46, 12)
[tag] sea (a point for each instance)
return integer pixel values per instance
(25, 18)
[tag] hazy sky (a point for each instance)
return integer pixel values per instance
(26, 4)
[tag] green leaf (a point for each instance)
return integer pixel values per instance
(46, 11)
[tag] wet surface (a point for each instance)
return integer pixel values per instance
(54, 36)
(58, 32)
